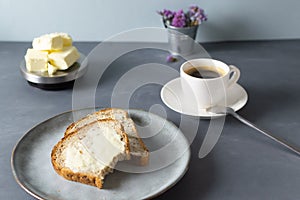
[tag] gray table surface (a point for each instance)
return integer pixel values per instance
(243, 164)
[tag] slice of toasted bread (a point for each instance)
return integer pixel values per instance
(88, 154)
(138, 150)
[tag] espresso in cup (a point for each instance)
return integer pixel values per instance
(206, 72)
(206, 81)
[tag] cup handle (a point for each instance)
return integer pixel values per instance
(235, 75)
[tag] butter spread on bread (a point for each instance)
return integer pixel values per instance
(138, 150)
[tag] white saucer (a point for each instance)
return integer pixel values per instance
(171, 94)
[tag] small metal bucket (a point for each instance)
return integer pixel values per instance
(182, 40)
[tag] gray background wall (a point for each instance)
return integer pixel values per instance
(96, 20)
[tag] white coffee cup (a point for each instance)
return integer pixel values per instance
(211, 89)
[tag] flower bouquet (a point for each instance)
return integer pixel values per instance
(180, 19)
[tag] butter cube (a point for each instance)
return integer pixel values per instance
(51, 69)
(65, 58)
(48, 42)
(67, 40)
(36, 60)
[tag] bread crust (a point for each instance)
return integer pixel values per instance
(86, 178)
(142, 160)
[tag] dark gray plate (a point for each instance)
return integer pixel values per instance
(169, 158)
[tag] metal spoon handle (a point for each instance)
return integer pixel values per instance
(240, 118)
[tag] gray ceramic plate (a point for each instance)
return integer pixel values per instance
(169, 158)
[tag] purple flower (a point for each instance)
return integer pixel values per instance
(196, 15)
(166, 14)
(171, 58)
(193, 7)
(179, 19)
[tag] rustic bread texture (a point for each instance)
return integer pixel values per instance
(88, 175)
(138, 150)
